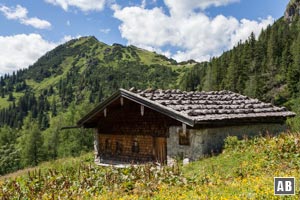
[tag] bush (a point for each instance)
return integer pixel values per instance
(231, 142)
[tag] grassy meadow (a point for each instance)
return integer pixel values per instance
(245, 170)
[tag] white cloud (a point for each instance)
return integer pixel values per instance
(105, 30)
(198, 36)
(67, 38)
(20, 51)
(247, 26)
(84, 5)
(186, 7)
(144, 3)
(115, 6)
(68, 23)
(145, 27)
(20, 13)
(36, 23)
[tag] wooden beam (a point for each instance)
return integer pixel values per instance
(184, 129)
(122, 101)
(69, 127)
(96, 146)
(105, 112)
(142, 110)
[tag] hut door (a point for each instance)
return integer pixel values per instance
(160, 149)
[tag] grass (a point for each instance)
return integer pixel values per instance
(5, 104)
(245, 170)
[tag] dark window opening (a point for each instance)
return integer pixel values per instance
(184, 139)
(108, 146)
(135, 147)
(119, 148)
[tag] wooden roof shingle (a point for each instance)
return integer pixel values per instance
(213, 105)
(197, 107)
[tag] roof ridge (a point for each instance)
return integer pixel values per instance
(153, 90)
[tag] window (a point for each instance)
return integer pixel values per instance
(119, 148)
(184, 139)
(108, 145)
(135, 148)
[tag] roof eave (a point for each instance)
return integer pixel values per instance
(283, 115)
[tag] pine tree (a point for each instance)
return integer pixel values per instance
(294, 70)
(31, 142)
(53, 107)
(232, 73)
(10, 97)
(2, 92)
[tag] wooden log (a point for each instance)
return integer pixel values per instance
(184, 129)
(142, 110)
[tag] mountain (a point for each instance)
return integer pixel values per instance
(89, 51)
(65, 83)
(79, 70)
(292, 10)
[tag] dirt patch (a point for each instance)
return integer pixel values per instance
(17, 173)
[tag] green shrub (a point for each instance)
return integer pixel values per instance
(231, 142)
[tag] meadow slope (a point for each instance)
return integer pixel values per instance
(244, 170)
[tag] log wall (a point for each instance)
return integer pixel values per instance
(123, 125)
(121, 147)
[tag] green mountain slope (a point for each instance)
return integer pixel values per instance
(85, 52)
(230, 175)
(61, 87)
(86, 69)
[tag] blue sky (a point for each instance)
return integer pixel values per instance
(181, 29)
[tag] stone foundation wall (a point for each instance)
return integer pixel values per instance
(211, 140)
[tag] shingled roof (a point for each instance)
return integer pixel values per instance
(198, 107)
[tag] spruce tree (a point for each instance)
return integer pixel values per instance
(31, 142)
(294, 70)
(10, 97)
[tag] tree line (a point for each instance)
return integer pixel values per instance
(267, 68)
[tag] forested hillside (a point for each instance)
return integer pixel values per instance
(82, 69)
(267, 68)
(65, 83)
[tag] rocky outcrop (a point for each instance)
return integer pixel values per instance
(292, 10)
